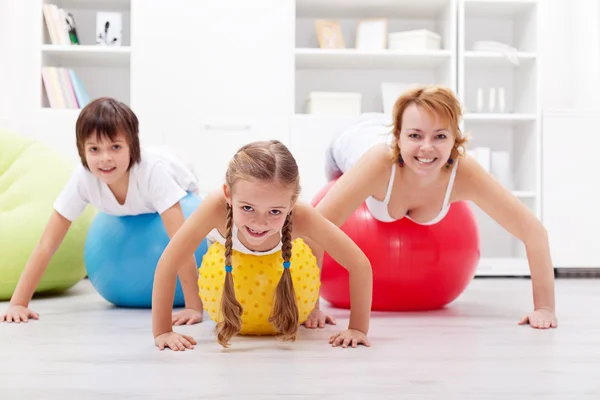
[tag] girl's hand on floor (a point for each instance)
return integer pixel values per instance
(349, 337)
(18, 314)
(174, 341)
(540, 319)
(318, 319)
(189, 316)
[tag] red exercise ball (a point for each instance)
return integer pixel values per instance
(415, 267)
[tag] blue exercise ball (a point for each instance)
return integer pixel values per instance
(121, 255)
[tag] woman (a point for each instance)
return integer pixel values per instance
(419, 170)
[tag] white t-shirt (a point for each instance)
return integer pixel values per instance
(156, 183)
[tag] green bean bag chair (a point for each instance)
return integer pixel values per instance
(31, 177)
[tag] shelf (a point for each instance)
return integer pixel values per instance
(307, 58)
(370, 9)
(93, 4)
(509, 119)
(493, 59)
(92, 56)
(503, 267)
(497, 8)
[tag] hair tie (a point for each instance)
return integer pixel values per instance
(286, 264)
(228, 268)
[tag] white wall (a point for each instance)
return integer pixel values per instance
(555, 54)
(584, 42)
(5, 64)
(570, 53)
(17, 60)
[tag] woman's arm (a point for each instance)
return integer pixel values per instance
(179, 251)
(356, 184)
(173, 219)
(309, 223)
(499, 203)
(53, 235)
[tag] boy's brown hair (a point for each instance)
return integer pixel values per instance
(105, 117)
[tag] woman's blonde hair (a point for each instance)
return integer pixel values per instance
(437, 101)
(268, 162)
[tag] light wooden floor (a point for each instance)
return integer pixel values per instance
(82, 348)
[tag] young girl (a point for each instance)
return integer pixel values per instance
(257, 212)
(419, 170)
(118, 177)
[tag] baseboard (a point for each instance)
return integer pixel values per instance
(589, 273)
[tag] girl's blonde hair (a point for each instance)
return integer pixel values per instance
(268, 162)
(437, 101)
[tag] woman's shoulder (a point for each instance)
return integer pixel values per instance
(377, 160)
(469, 176)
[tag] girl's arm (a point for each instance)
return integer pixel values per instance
(309, 223)
(499, 203)
(173, 219)
(179, 251)
(53, 235)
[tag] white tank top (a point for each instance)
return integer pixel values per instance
(215, 236)
(379, 209)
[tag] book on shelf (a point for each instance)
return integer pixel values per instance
(63, 88)
(60, 25)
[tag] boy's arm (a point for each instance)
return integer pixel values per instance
(173, 219)
(53, 235)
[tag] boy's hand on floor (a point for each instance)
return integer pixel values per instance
(18, 314)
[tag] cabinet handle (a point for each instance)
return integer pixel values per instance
(245, 127)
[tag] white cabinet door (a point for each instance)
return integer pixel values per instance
(211, 61)
(209, 146)
(571, 188)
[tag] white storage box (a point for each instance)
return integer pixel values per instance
(334, 103)
(421, 39)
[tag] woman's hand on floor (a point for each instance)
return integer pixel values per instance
(540, 319)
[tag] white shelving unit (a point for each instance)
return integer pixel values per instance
(103, 71)
(514, 128)
(358, 71)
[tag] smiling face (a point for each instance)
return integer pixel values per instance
(426, 131)
(107, 139)
(108, 159)
(260, 209)
(426, 142)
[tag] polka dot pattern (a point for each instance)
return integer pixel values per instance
(255, 279)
